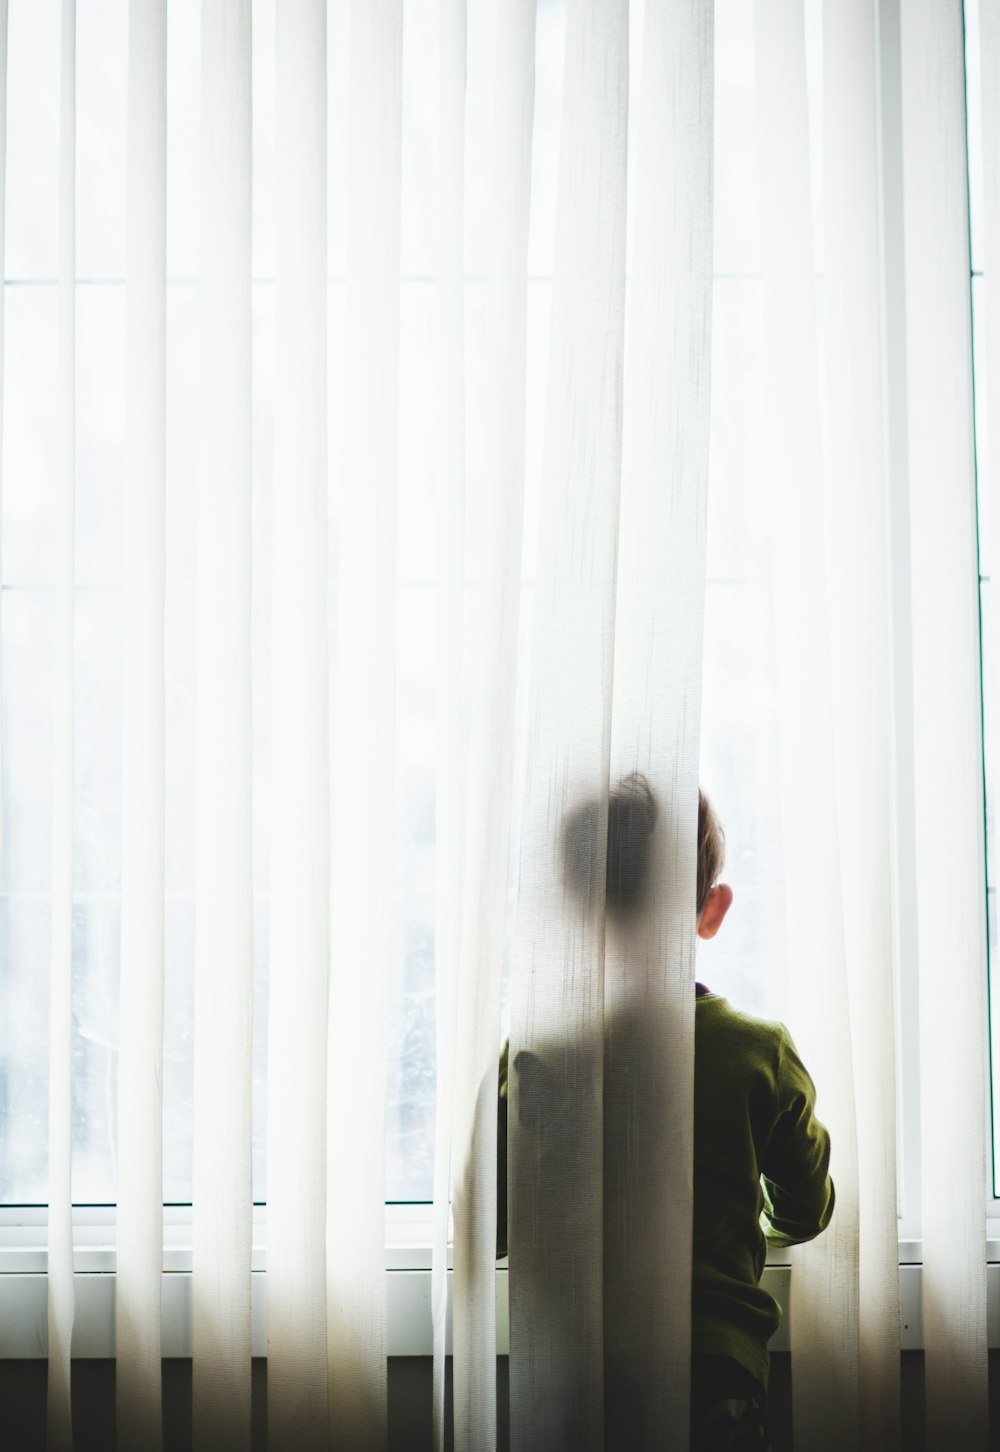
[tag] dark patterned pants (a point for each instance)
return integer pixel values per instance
(728, 1407)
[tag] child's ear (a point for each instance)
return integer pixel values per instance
(717, 904)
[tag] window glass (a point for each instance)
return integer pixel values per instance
(739, 761)
(987, 534)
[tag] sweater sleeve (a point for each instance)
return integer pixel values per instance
(795, 1168)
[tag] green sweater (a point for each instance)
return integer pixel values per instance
(761, 1170)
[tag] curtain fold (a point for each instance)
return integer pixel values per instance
(610, 617)
(61, 1300)
(857, 555)
(450, 627)
(989, 50)
(3, 309)
(947, 724)
(557, 992)
(363, 916)
(656, 726)
(299, 957)
(222, 1192)
(140, 1056)
(824, 1347)
(490, 760)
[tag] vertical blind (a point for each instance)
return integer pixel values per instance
(655, 729)
(221, 1185)
(494, 633)
(298, 998)
(857, 556)
(582, 612)
(825, 1272)
(60, 1261)
(364, 736)
(450, 635)
(947, 723)
(140, 1056)
(556, 1281)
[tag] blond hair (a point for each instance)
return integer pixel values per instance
(711, 849)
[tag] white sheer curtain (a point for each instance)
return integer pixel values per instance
(656, 725)
(364, 738)
(140, 1061)
(947, 724)
(221, 1186)
(857, 556)
(490, 757)
(298, 999)
(608, 614)
(599, 1241)
(557, 1008)
(3, 254)
(989, 50)
(60, 1256)
(825, 1347)
(449, 752)
(829, 505)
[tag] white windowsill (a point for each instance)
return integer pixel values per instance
(23, 1299)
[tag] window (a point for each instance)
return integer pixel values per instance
(739, 768)
(987, 535)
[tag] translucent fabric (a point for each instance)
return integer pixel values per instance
(989, 398)
(61, 1299)
(3, 254)
(578, 606)
(656, 729)
(363, 884)
(138, 1373)
(299, 959)
(989, 32)
(222, 1196)
(857, 554)
(947, 725)
(556, 1146)
(846, 1366)
(825, 1274)
(602, 993)
(557, 1002)
(450, 632)
(490, 762)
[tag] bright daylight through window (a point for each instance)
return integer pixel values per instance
(739, 755)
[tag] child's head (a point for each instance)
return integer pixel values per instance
(714, 898)
(632, 814)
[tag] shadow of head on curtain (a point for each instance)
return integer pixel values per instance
(586, 1145)
(631, 819)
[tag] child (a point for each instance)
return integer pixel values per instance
(761, 1170)
(761, 1158)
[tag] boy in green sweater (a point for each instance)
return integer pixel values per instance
(761, 1177)
(761, 1158)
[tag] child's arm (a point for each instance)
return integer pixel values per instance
(795, 1167)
